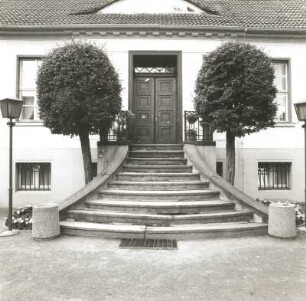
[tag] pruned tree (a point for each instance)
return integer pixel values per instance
(78, 94)
(235, 94)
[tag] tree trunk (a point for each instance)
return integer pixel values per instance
(230, 157)
(87, 163)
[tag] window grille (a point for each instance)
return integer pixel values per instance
(155, 70)
(274, 175)
(34, 176)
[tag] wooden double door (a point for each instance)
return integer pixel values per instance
(155, 109)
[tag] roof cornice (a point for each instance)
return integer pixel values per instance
(151, 30)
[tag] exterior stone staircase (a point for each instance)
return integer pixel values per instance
(157, 194)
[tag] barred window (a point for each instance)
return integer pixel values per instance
(34, 176)
(28, 68)
(274, 175)
(282, 95)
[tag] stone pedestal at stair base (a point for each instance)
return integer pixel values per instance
(282, 220)
(45, 221)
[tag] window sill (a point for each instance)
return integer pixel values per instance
(33, 191)
(275, 190)
(285, 124)
(29, 123)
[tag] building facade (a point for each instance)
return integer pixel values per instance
(157, 48)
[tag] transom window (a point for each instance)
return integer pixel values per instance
(28, 68)
(154, 70)
(274, 175)
(281, 83)
(155, 64)
(34, 176)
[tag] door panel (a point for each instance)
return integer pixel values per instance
(165, 110)
(155, 109)
(144, 109)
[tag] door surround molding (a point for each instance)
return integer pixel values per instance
(178, 54)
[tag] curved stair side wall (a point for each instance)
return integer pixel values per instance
(115, 158)
(200, 163)
(158, 195)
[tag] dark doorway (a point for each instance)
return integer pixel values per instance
(155, 99)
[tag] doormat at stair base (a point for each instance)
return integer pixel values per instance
(155, 244)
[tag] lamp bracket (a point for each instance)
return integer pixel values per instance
(11, 123)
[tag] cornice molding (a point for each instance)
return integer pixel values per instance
(152, 31)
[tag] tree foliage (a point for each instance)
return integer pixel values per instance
(235, 90)
(78, 94)
(78, 90)
(235, 94)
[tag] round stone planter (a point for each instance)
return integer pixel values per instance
(282, 220)
(45, 222)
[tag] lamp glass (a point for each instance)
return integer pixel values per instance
(11, 107)
(300, 109)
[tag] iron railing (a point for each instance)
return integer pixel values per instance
(196, 129)
(119, 131)
(274, 175)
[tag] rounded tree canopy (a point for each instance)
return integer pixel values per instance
(78, 90)
(235, 89)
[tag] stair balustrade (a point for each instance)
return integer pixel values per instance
(197, 131)
(120, 129)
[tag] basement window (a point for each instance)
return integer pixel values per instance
(274, 175)
(33, 176)
(94, 166)
(219, 168)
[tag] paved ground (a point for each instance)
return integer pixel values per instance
(89, 269)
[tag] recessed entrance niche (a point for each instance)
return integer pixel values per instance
(155, 101)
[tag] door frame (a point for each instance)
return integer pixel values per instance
(179, 108)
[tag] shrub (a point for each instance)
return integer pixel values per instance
(21, 218)
(299, 214)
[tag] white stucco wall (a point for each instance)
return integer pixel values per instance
(35, 143)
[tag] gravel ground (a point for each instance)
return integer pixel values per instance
(89, 269)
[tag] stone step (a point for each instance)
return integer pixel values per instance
(156, 154)
(204, 194)
(106, 217)
(188, 231)
(142, 176)
(170, 186)
(102, 230)
(134, 147)
(200, 231)
(161, 207)
(156, 168)
(157, 161)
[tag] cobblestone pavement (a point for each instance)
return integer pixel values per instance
(90, 269)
